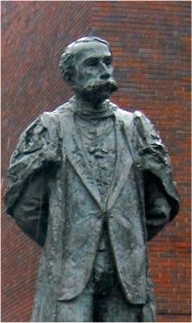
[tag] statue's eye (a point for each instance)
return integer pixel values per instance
(92, 62)
(108, 61)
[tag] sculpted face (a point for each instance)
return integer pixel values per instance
(93, 79)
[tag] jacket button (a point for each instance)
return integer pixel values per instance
(14, 177)
(104, 213)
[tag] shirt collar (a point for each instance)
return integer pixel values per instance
(106, 109)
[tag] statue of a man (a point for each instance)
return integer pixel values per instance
(91, 183)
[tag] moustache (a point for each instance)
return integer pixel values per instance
(100, 85)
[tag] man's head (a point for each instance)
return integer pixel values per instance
(86, 65)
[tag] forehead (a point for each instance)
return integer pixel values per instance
(91, 49)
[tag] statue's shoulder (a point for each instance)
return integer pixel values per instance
(126, 116)
(121, 113)
(135, 120)
(50, 118)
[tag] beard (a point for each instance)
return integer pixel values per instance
(97, 90)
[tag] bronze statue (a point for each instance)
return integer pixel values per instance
(91, 183)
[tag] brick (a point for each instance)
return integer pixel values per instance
(151, 44)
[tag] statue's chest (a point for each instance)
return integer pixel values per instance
(98, 141)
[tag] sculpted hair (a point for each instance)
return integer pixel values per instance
(67, 61)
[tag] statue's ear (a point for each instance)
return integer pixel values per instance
(68, 77)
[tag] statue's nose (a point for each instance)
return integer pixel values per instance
(105, 73)
(105, 76)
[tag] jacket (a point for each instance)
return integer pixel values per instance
(67, 215)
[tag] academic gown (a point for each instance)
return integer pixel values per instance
(66, 216)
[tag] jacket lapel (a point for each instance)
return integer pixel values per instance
(123, 164)
(73, 149)
(124, 160)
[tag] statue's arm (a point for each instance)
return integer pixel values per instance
(31, 165)
(157, 205)
(31, 209)
(161, 197)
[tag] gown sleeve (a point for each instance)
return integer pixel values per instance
(32, 162)
(161, 197)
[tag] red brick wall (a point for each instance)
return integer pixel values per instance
(151, 46)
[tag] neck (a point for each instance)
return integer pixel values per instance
(88, 105)
(88, 110)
